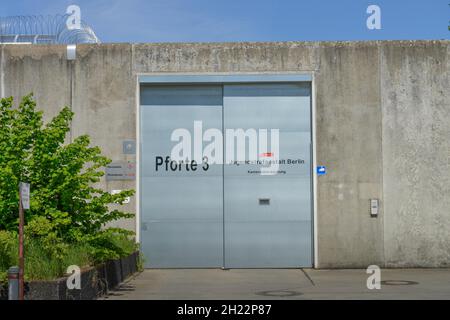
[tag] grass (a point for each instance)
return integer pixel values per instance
(40, 265)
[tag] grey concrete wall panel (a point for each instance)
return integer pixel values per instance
(104, 102)
(416, 153)
(348, 126)
(42, 70)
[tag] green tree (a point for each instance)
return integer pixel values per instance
(66, 206)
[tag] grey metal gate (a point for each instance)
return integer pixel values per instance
(181, 211)
(230, 215)
(268, 217)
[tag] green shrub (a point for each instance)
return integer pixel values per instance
(111, 243)
(62, 176)
(66, 222)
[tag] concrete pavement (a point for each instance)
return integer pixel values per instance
(186, 284)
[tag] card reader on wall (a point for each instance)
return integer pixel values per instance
(374, 204)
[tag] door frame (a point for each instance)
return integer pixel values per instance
(223, 78)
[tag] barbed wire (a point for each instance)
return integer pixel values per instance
(44, 29)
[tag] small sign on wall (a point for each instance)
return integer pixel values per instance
(121, 170)
(129, 147)
(321, 170)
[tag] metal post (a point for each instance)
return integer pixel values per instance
(21, 260)
(13, 283)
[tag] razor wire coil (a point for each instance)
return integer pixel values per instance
(51, 29)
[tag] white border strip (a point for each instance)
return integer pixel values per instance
(314, 174)
(138, 162)
(225, 78)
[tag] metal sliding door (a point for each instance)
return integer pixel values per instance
(268, 217)
(181, 208)
(237, 214)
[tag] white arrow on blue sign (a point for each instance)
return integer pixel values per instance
(321, 170)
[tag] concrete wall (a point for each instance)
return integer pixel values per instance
(382, 119)
(416, 153)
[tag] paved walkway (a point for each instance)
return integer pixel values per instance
(283, 284)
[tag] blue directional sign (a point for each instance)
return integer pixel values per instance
(321, 170)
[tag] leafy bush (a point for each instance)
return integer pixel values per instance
(67, 211)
